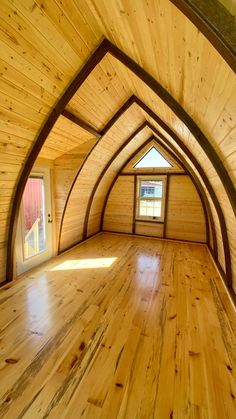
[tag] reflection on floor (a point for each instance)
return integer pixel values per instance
(119, 327)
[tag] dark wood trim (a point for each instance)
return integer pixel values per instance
(223, 276)
(219, 267)
(123, 174)
(59, 251)
(166, 204)
(180, 160)
(90, 201)
(197, 184)
(206, 181)
(4, 283)
(153, 173)
(117, 115)
(216, 24)
(134, 203)
(88, 67)
(81, 123)
(183, 116)
(108, 126)
(105, 47)
(179, 111)
(116, 176)
(191, 173)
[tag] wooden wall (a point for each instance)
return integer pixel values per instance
(184, 220)
(65, 169)
(73, 224)
(120, 206)
(43, 46)
(185, 217)
(230, 219)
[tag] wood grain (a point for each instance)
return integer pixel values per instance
(215, 22)
(184, 215)
(45, 43)
(119, 327)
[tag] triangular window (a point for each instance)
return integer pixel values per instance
(152, 159)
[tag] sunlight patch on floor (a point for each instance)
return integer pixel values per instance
(84, 264)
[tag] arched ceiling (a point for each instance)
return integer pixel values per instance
(90, 193)
(182, 86)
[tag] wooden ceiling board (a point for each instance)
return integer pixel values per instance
(64, 136)
(100, 95)
(167, 115)
(131, 83)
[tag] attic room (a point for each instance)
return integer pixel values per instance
(117, 209)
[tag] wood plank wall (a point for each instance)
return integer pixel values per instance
(220, 193)
(221, 133)
(184, 221)
(43, 45)
(95, 213)
(119, 209)
(185, 217)
(73, 224)
(65, 169)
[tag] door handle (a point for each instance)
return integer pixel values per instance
(49, 219)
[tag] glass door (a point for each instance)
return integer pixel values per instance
(34, 238)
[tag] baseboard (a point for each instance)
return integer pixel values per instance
(223, 276)
(155, 237)
(78, 243)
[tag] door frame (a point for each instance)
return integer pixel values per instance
(23, 265)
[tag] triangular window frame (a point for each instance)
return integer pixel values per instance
(169, 166)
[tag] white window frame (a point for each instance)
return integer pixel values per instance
(163, 199)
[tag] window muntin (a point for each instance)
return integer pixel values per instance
(150, 198)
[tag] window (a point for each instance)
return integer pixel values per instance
(33, 216)
(153, 158)
(151, 198)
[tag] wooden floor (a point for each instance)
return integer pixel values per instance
(120, 327)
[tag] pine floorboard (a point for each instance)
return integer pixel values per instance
(119, 327)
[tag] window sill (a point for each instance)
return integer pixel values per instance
(149, 220)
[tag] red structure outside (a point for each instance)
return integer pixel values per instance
(32, 202)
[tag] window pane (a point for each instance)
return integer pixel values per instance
(151, 189)
(153, 158)
(33, 217)
(150, 208)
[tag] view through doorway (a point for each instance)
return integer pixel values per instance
(34, 238)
